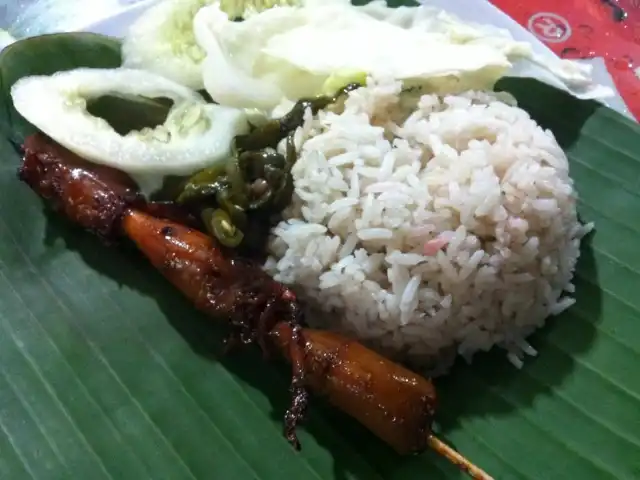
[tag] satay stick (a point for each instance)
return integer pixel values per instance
(458, 460)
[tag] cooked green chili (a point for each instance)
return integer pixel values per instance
(256, 177)
(203, 184)
(236, 213)
(220, 225)
(272, 132)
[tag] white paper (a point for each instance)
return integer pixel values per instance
(483, 11)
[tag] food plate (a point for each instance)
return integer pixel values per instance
(485, 12)
(108, 373)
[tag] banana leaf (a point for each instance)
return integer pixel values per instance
(107, 373)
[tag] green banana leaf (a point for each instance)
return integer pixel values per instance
(106, 372)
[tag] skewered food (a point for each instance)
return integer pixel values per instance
(391, 401)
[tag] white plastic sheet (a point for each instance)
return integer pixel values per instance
(482, 11)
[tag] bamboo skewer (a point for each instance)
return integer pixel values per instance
(458, 460)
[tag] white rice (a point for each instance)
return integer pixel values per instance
(392, 172)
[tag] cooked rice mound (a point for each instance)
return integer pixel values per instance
(429, 225)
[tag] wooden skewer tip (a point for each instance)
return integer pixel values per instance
(458, 460)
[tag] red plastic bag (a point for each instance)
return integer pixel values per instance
(577, 29)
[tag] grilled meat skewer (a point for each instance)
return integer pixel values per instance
(394, 403)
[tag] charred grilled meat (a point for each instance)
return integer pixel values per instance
(223, 286)
(90, 195)
(394, 403)
(391, 401)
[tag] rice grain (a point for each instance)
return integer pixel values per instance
(451, 226)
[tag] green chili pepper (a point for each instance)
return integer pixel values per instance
(235, 211)
(275, 160)
(266, 167)
(261, 202)
(203, 183)
(275, 179)
(255, 177)
(291, 153)
(198, 192)
(264, 136)
(253, 163)
(272, 132)
(295, 118)
(220, 225)
(282, 198)
(237, 183)
(209, 174)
